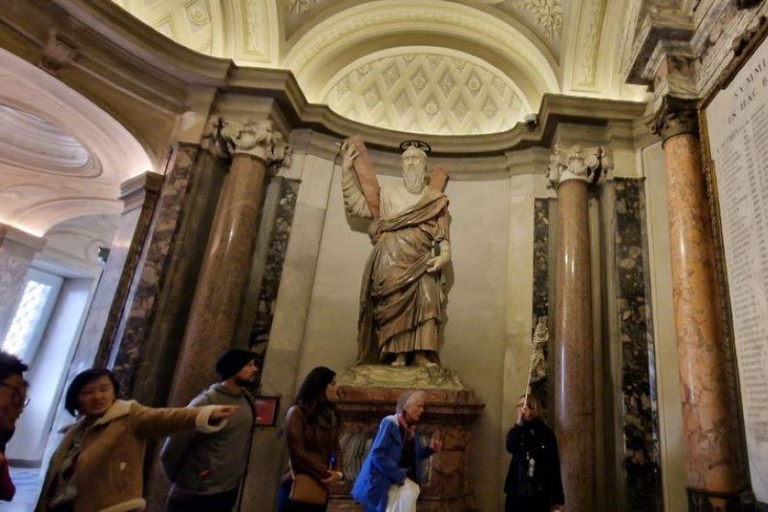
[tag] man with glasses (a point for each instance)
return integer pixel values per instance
(13, 399)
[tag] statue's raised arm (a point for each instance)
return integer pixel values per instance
(359, 184)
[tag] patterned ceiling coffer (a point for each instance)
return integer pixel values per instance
(427, 92)
(188, 22)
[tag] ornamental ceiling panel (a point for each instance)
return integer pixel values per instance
(30, 142)
(427, 90)
(187, 22)
(545, 15)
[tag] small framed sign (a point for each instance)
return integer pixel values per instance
(267, 408)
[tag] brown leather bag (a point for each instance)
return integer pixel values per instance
(306, 489)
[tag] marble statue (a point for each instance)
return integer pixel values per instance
(402, 296)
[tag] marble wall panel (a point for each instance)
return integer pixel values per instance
(638, 376)
(519, 307)
(151, 273)
(273, 271)
(541, 281)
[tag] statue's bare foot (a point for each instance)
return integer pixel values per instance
(399, 360)
(421, 359)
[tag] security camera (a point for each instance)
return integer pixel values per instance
(531, 121)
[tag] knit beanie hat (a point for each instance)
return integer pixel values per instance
(232, 362)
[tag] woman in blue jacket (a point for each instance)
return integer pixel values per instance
(391, 470)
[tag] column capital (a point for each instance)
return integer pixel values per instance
(576, 163)
(257, 138)
(676, 116)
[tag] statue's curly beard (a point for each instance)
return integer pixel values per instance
(413, 179)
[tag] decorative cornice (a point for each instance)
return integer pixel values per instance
(575, 163)
(58, 53)
(676, 117)
(660, 30)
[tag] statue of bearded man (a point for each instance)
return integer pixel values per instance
(401, 297)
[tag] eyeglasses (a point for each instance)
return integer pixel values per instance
(17, 394)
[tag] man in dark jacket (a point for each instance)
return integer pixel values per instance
(206, 470)
(533, 481)
(13, 397)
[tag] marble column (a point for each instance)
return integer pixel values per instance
(17, 248)
(713, 436)
(572, 171)
(253, 146)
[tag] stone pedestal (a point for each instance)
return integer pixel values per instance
(366, 394)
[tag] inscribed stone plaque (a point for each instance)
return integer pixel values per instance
(737, 123)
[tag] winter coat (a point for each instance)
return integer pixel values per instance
(381, 468)
(312, 445)
(109, 469)
(540, 482)
(210, 464)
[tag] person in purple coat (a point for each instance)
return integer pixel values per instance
(391, 470)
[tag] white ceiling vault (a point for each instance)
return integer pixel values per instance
(425, 66)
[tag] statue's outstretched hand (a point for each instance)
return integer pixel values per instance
(437, 263)
(349, 153)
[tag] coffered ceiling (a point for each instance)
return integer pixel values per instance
(425, 66)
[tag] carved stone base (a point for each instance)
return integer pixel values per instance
(449, 416)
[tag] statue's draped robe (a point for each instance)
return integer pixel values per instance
(400, 303)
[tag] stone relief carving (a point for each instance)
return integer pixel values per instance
(547, 14)
(300, 7)
(589, 43)
(428, 93)
(256, 32)
(186, 22)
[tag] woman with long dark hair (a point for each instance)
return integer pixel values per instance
(311, 429)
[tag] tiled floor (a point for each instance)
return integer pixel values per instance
(28, 483)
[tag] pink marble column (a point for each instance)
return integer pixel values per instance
(225, 270)
(713, 436)
(572, 171)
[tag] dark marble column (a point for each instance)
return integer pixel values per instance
(713, 437)
(139, 195)
(572, 171)
(225, 270)
(136, 320)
